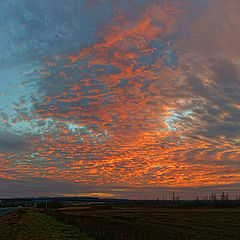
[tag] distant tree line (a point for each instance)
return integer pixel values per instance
(223, 201)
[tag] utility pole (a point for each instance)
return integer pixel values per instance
(173, 197)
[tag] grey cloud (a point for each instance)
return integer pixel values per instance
(45, 187)
(10, 142)
(34, 29)
(213, 104)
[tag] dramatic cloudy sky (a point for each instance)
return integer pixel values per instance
(124, 99)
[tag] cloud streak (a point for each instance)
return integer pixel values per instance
(143, 101)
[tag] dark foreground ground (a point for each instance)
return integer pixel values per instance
(121, 223)
(29, 224)
(146, 223)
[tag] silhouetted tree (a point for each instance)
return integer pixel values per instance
(197, 201)
(223, 197)
(227, 197)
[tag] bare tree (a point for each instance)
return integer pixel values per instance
(223, 197)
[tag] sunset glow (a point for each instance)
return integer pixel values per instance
(124, 99)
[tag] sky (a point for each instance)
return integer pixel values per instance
(119, 99)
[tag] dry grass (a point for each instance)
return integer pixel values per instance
(30, 224)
